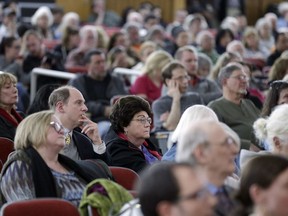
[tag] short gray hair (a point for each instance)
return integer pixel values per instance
(226, 71)
(192, 136)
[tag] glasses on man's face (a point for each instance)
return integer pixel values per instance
(182, 78)
(241, 78)
(200, 194)
(58, 127)
(144, 120)
(279, 84)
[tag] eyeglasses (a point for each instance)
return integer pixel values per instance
(200, 194)
(229, 141)
(144, 120)
(279, 84)
(241, 78)
(182, 78)
(58, 127)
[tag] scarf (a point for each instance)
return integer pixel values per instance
(43, 179)
(146, 144)
(8, 117)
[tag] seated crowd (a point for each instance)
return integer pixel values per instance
(219, 95)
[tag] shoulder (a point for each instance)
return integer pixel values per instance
(216, 102)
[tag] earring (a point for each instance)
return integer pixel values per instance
(126, 132)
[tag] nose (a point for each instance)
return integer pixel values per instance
(84, 108)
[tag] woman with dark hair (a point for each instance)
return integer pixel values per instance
(222, 39)
(128, 143)
(70, 40)
(263, 187)
(277, 95)
(40, 101)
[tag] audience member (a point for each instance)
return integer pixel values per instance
(263, 188)
(281, 45)
(205, 66)
(236, 46)
(36, 169)
(168, 109)
(36, 55)
(232, 109)
(206, 44)
(101, 16)
(277, 95)
(207, 89)
(40, 101)
(278, 70)
(88, 42)
(179, 38)
(98, 87)
(69, 20)
(272, 130)
(193, 24)
(69, 41)
(266, 38)
(179, 18)
(42, 20)
(253, 50)
(149, 84)
(168, 188)
(207, 144)
(191, 114)
(283, 13)
(9, 52)
(9, 118)
(8, 27)
(58, 13)
(83, 140)
(222, 39)
(222, 61)
(128, 143)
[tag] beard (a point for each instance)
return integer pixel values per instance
(242, 91)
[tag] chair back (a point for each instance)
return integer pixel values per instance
(6, 146)
(124, 176)
(43, 207)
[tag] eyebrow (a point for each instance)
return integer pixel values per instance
(142, 116)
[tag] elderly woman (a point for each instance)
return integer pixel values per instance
(128, 143)
(149, 85)
(263, 187)
(36, 169)
(9, 117)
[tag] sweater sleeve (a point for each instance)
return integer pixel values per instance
(17, 182)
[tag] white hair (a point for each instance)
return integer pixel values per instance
(191, 114)
(193, 135)
(276, 125)
(43, 10)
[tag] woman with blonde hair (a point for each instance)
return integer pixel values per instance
(149, 85)
(279, 69)
(36, 169)
(43, 20)
(9, 117)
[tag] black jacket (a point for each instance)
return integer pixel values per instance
(125, 154)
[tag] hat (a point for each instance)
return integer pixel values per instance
(176, 31)
(8, 11)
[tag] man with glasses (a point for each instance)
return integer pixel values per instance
(168, 109)
(176, 189)
(233, 109)
(207, 89)
(209, 145)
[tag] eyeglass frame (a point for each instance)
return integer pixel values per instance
(181, 78)
(58, 127)
(278, 84)
(143, 120)
(241, 78)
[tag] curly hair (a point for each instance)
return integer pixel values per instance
(124, 110)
